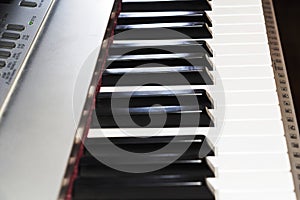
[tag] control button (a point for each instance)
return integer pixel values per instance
(28, 4)
(11, 36)
(2, 64)
(5, 54)
(15, 27)
(7, 45)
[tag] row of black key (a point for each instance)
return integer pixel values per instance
(184, 179)
(186, 57)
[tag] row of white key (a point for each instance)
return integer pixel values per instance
(254, 166)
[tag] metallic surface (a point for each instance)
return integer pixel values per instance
(26, 23)
(38, 128)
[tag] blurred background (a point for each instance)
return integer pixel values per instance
(288, 19)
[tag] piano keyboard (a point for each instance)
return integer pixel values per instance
(197, 77)
(174, 99)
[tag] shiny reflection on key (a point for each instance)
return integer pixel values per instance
(119, 48)
(149, 98)
(127, 18)
(175, 116)
(160, 60)
(194, 30)
(162, 5)
(170, 75)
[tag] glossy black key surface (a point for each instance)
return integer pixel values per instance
(144, 179)
(139, 48)
(162, 5)
(98, 147)
(146, 140)
(95, 188)
(169, 75)
(161, 116)
(149, 98)
(184, 169)
(160, 60)
(126, 18)
(193, 30)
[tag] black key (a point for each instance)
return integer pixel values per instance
(145, 179)
(95, 188)
(187, 169)
(169, 75)
(147, 140)
(150, 144)
(138, 48)
(160, 60)
(126, 18)
(161, 116)
(149, 98)
(194, 30)
(173, 5)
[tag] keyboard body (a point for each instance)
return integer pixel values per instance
(53, 101)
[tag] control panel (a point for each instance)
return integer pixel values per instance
(21, 22)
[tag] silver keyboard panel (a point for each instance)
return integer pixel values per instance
(20, 24)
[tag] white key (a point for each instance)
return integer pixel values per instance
(264, 84)
(146, 88)
(234, 142)
(247, 49)
(244, 84)
(257, 112)
(238, 29)
(224, 129)
(230, 11)
(251, 145)
(253, 182)
(235, 3)
(246, 98)
(255, 38)
(146, 132)
(263, 195)
(227, 145)
(250, 128)
(233, 20)
(244, 72)
(242, 60)
(231, 2)
(249, 163)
